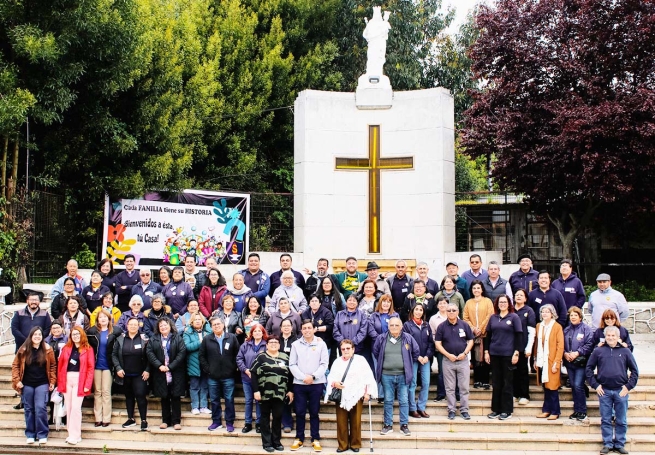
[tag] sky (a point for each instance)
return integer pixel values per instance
(462, 7)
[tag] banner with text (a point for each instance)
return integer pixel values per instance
(165, 228)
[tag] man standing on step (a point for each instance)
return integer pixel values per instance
(612, 362)
(71, 272)
(396, 353)
(525, 277)
(606, 298)
(308, 362)
(400, 285)
(476, 272)
(454, 339)
(494, 285)
(125, 281)
(350, 279)
(276, 277)
(256, 279)
(452, 269)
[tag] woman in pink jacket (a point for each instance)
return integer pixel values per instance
(75, 379)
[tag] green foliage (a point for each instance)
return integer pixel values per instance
(632, 291)
(16, 234)
(85, 258)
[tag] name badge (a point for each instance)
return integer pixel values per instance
(173, 288)
(354, 321)
(462, 334)
(602, 340)
(509, 322)
(73, 362)
(89, 293)
(579, 337)
(227, 345)
(137, 346)
(571, 290)
(404, 289)
(149, 293)
(537, 300)
(181, 292)
(281, 364)
(287, 349)
(394, 341)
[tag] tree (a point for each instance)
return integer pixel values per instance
(568, 111)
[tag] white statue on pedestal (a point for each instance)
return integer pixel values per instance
(376, 34)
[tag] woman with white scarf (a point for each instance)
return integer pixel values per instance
(548, 360)
(289, 290)
(358, 386)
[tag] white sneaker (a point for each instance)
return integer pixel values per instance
(195, 411)
(515, 399)
(30, 440)
(205, 411)
(524, 401)
(43, 441)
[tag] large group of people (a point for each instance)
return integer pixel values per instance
(292, 342)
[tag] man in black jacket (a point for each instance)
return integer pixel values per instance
(218, 358)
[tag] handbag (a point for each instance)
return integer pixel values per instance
(580, 361)
(335, 395)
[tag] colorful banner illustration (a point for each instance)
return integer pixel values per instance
(164, 228)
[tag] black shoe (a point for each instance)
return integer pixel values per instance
(258, 428)
(269, 449)
(129, 423)
(279, 447)
(586, 391)
(605, 450)
(568, 383)
(504, 416)
(97, 424)
(357, 450)
(581, 416)
(466, 416)
(486, 386)
(19, 406)
(451, 415)
(493, 415)
(440, 398)
(144, 425)
(380, 400)
(620, 450)
(574, 415)
(341, 450)
(247, 428)
(477, 385)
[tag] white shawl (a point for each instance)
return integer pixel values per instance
(543, 349)
(358, 382)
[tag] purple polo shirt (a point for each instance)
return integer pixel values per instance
(454, 337)
(501, 331)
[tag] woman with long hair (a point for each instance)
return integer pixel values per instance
(417, 328)
(253, 314)
(502, 347)
(448, 290)
(133, 371)
(528, 323)
(167, 356)
(329, 295)
(101, 338)
(73, 315)
(378, 324)
(609, 318)
(211, 294)
(33, 376)
(157, 311)
(193, 334)
(369, 297)
(357, 387)
(75, 379)
(231, 317)
(548, 360)
(106, 267)
(165, 274)
(578, 346)
(477, 312)
(254, 344)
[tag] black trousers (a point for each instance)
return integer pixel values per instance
(171, 408)
(481, 372)
(136, 389)
(271, 431)
(502, 377)
(521, 378)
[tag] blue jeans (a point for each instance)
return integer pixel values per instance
(424, 370)
(391, 384)
(247, 391)
(609, 402)
(287, 417)
(35, 400)
(441, 388)
(577, 377)
(222, 388)
(198, 389)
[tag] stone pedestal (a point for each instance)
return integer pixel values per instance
(417, 206)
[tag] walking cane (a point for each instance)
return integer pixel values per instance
(370, 422)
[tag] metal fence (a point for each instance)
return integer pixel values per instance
(50, 248)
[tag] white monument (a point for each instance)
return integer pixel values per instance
(374, 172)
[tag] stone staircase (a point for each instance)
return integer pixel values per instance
(523, 433)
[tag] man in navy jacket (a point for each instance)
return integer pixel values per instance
(546, 294)
(256, 279)
(612, 383)
(569, 285)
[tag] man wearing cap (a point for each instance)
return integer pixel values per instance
(452, 269)
(569, 285)
(525, 277)
(349, 280)
(476, 272)
(373, 272)
(606, 298)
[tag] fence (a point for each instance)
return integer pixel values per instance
(50, 248)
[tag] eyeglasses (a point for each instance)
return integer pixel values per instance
(144, 274)
(610, 318)
(273, 342)
(452, 311)
(475, 262)
(69, 284)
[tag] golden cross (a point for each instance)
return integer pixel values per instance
(373, 164)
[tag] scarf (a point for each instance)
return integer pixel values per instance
(70, 322)
(418, 322)
(543, 349)
(164, 345)
(447, 294)
(244, 290)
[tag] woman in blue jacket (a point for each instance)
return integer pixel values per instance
(198, 380)
(420, 330)
(578, 345)
(254, 344)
